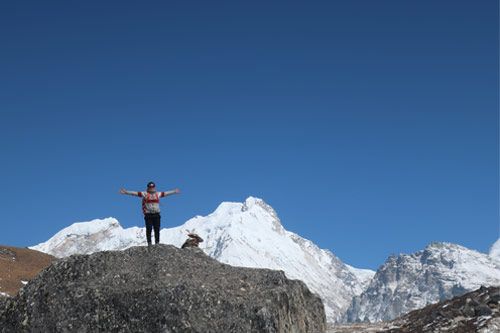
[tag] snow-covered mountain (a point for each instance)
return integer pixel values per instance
(93, 236)
(241, 234)
(495, 251)
(408, 282)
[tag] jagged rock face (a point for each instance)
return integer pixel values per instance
(160, 289)
(247, 234)
(408, 282)
(478, 311)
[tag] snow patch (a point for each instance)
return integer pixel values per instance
(495, 250)
(364, 275)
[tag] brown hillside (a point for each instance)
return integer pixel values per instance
(19, 264)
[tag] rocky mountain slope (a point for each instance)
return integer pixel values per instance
(160, 289)
(477, 311)
(248, 234)
(18, 266)
(407, 282)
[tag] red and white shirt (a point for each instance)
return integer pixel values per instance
(151, 201)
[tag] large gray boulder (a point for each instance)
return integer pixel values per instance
(160, 289)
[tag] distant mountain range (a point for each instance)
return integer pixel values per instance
(251, 234)
(407, 282)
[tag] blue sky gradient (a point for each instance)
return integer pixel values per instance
(370, 126)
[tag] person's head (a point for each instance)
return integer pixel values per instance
(151, 187)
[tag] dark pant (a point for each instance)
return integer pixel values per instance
(152, 221)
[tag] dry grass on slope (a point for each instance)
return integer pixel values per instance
(18, 265)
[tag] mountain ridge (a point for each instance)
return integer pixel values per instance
(407, 282)
(250, 234)
(246, 234)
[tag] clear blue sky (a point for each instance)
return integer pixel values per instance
(370, 126)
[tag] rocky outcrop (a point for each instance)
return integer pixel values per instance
(160, 289)
(3, 300)
(478, 311)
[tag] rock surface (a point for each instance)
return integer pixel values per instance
(160, 289)
(478, 311)
(358, 328)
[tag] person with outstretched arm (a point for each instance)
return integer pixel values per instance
(151, 208)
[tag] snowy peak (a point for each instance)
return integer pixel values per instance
(252, 214)
(495, 251)
(251, 234)
(256, 203)
(94, 226)
(78, 230)
(249, 203)
(445, 247)
(410, 281)
(88, 237)
(247, 234)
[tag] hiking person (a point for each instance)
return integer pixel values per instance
(151, 208)
(193, 241)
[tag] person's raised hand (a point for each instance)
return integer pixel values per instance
(123, 191)
(177, 191)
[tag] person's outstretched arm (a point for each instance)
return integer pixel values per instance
(137, 194)
(167, 193)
